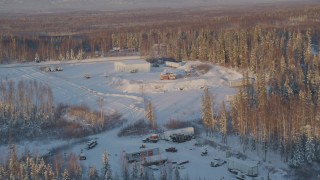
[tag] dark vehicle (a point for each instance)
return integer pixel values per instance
(86, 76)
(179, 138)
(142, 146)
(241, 176)
(238, 174)
(217, 162)
(58, 68)
(204, 153)
(182, 162)
(82, 156)
(171, 149)
(91, 144)
(234, 171)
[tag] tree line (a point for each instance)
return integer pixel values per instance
(24, 106)
(242, 41)
(68, 167)
(28, 107)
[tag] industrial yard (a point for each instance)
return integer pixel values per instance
(125, 93)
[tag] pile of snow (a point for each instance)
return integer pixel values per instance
(215, 77)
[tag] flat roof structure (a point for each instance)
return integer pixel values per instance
(132, 66)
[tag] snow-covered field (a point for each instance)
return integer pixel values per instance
(125, 92)
(178, 99)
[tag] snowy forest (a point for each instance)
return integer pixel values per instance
(279, 111)
(28, 108)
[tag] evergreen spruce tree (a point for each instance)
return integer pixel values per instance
(80, 55)
(310, 150)
(65, 175)
(61, 57)
(2, 172)
(298, 153)
(37, 58)
(72, 57)
(317, 151)
(106, 172)
(13, 163)
(67, 56)
(125, 172)
(163, 174)
(93, 173)
(223, 122)
(48, 173)
(141, 173)
(253, 144)
(207, 111)
(176, 174)
(134, 174)
(150, 115)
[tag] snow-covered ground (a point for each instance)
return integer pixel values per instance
(125, 92)
(178, 99)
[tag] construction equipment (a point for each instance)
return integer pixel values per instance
(167, 76)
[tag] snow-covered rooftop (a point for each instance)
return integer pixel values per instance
(135, 61)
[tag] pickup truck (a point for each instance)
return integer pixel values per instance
(171, 149)
(91, 144)
(82, 156)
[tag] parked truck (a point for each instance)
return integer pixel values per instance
(178, 135)
(247, 167)
(167, 76)
(152, 138)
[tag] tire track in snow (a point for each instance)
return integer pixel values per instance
(60, 84)
(135, 112)
(30, 75)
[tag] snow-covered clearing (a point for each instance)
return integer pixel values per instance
(125, 93)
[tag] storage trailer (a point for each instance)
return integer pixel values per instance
(247, 167)
(178, 135)
(141, 155)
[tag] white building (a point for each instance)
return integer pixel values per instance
(132, 66)
(173, 64)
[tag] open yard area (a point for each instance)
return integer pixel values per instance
(124, 92)
(84, 82)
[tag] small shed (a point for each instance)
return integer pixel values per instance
(132, 66)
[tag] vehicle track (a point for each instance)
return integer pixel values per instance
(61, 84)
